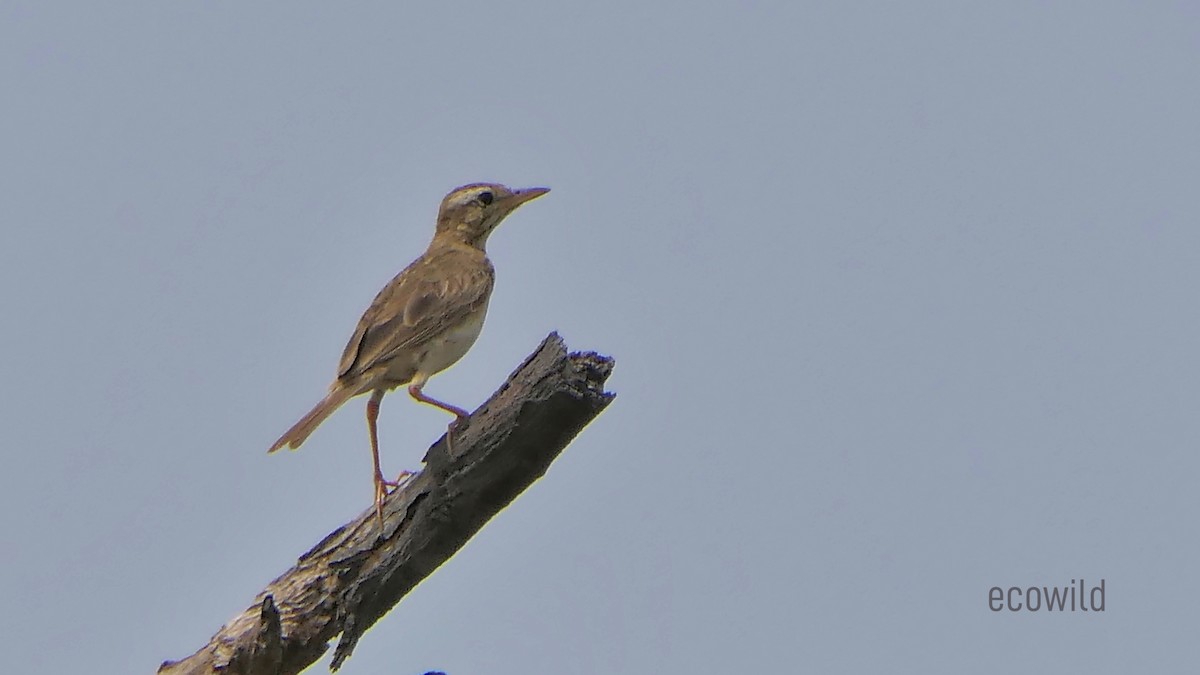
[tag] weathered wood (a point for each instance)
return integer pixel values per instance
(356, 574)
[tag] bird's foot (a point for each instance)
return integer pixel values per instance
(458, 419)
(383, 488)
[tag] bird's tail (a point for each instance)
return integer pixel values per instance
(300, 431)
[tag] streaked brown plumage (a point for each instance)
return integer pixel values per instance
(424, 320)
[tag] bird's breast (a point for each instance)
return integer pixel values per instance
(445, 350)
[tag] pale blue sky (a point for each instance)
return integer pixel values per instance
(902, 298)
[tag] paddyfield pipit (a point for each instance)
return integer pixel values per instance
(424, 320)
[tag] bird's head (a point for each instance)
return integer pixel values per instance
(470, 213)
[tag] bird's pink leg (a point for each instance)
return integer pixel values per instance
(381, 483)
(414, 390)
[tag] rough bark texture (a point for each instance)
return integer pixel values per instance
(357, 573)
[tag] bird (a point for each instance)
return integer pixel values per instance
(423, 321)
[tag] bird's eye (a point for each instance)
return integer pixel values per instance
(486, 198)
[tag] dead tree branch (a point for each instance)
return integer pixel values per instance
(356, 574)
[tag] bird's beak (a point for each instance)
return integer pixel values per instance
(519, 197)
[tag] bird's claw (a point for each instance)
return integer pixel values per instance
(453, 426)
(383, 488)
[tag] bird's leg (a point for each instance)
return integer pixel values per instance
(381, 484)
(414, 390)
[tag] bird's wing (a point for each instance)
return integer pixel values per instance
(428, 297)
